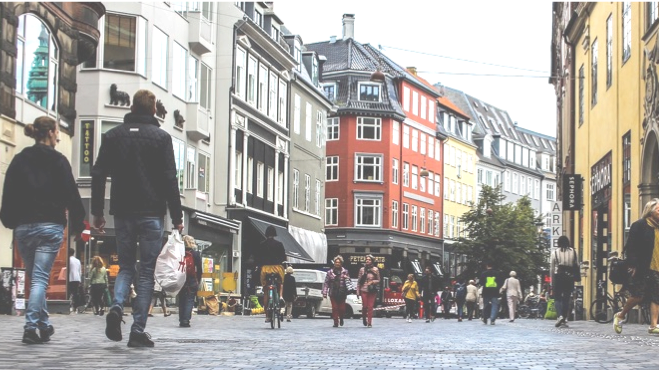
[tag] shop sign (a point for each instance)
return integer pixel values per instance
(572, 192)
(359, 260)
(600, 177)
(87, 146)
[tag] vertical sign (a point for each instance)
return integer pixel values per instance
(86, 148)
(572, 190)
(556, 223)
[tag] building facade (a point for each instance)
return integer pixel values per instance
(604, 59)
(42, 43)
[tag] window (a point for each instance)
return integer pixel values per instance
(250, 175)
(406, 99)
(280, 187)
(652, 12)
(307, 192)
(437, 185)
(394, 171)
(37, 63)
(522, 185)
(406, 136)
(593, 75)
(458, 192)
(422, 184)
(205, 92)
(275, 33)
(550, 191)
(319, 129)
(431, 219)
(515, 189)
(415, 103)
(124, 44)
(368, 211)
(251, 80)
(506, 181)
(203, 172)
(436, 226)
(369, 92)
(626, 30)
(272, 97)
(281, 114)
(317, 198)
(260, 168)
(446, 190)
(258, 18)
(332, 168)
(330, 91)
(422, 220)
(406, 174)
(190, 168)
(431, 113)
(446, 230)
(470, 195)
(159, 60)
(415, 177)
(415, 140)
(395, 136)
(369, 128)
(626, 158)
(193, 77)
(179, 71)
(414, 218)
(529, 186)
(406, 216)
(296, 117)
(263, 88)
(581, 94)
(179, 160)
(451, 155)
(609, 51)
(331, 211)
(536, 189)
(271, 184)
(369, 167)
(307, 122)
(332, 128)
(238, 173)
(431, 146)
(394, 214)
(424, 108)
(438, 147)
(296, 188)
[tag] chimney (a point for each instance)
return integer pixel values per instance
(348, 26)
(412, 70)
(332, 39)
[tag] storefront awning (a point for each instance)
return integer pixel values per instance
(293, 248)
(314, 243)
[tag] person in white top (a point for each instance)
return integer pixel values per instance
(74, 278)
(513, 294)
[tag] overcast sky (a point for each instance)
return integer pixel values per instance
(437, 33)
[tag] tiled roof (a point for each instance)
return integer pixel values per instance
(443, 100)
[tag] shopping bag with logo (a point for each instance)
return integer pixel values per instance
(551, 313)
(170, 265)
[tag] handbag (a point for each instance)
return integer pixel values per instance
(170, 265)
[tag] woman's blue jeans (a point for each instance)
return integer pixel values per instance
(38, 244)
(148, 231)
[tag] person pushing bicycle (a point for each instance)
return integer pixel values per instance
(269, 255)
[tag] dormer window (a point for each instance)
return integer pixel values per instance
(314, 71)
(297, 54)
(275, 33)
(330, 91)
(258, 18)
(369, 92)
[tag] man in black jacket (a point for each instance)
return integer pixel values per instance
(491, 280)
(428, 287)
(139, 157)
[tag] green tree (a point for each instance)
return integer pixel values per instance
(505, 234)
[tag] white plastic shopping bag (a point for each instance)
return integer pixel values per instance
(170, 265)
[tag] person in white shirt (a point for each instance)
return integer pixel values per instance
(74, 278)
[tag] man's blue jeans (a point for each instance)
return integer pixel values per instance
(186, 298)
(491, 306)
(148, 231)
(38, 244)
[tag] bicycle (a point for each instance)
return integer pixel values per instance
(274, 309)
(603, 308)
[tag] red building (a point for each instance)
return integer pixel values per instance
(384, 160)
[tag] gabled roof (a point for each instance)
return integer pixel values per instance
(443, 100)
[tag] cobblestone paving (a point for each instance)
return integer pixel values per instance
(238, 342)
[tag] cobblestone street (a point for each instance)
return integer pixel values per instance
(240, 342)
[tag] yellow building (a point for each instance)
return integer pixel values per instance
(459, 169)
(604, 61)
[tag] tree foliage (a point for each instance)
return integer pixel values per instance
(505, 234)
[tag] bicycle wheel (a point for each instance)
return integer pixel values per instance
(271, 309)
(601, 310)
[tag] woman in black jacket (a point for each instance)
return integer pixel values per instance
(39, 188)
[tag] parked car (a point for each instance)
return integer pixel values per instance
(310, 301)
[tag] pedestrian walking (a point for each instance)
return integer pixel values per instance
(367, 288)
(337, 285)
(193, 270)
(139, 157)
(643, 266)
(39, 188)
(159, 294)
(471, 300)
(492, 281)
(565, 271)
(460, 299)
(98, 278)
(74, 286)
(481, 303)
(447, 302)
(290, 292)
(513, 291)
(428, 287)
(411, 296)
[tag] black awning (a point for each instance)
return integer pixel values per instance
(293, 248)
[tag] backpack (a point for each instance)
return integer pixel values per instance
(461, 293)
(190, 268)
(618, 273)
